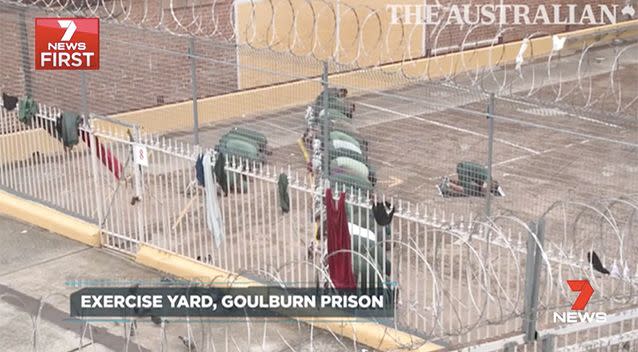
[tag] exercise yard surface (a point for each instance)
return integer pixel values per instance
(413, 145)
(36, 263)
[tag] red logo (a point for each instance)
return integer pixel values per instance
(67, 44)
(586, 291)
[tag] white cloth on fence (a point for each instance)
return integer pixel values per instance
(214, 219)
(558, 43)
(520, 57)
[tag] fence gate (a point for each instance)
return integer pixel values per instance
(117, 183)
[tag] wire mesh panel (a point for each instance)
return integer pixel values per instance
(466, 153)
(37, 165)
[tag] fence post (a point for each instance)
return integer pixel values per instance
(532, 278)
(547, 343)
(24, 47)
(97, 192)
(191, 55)
(84, 94)
(490, 151)
(325, 123)
(138, 184)
(510, 347)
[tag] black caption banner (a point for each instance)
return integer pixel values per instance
(232, 302)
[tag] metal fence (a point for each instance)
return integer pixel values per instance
(459, 280)
(562, 125)
(559, 137)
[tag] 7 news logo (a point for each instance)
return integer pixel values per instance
(577, 315)
(67, 44)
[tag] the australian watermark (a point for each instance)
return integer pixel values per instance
(510, 14)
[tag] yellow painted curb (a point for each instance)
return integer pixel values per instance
(50, 219)
(188, 268)
(376, 336)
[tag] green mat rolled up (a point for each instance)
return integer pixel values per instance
(471, 172)
(340, 152)
(250, 135)
(338, 181)
(334, 114)
(245, 144)
(342, 136)
(472, 176)
(239, 148)
(349, 166)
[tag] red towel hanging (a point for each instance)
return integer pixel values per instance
(108, 159)
(339, 264)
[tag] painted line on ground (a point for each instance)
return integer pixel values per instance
(459, 129)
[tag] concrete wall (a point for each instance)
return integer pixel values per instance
(290, 25)
(280, 96)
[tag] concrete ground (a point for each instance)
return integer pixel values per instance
(37, 269)
(543, 152)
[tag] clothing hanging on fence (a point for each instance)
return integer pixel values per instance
(596, 264)
(106, 157)
(27, 109)
(282, 192)
(339, 264)
(68, 125)
(381, 215)
(220, 172)
(9, 102)
(199, 170)
(214, 219)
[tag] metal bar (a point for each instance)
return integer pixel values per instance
(112, 120)
(490, 154)
(572, 328)
(24, 48)
(191, 55)
(601, 343)
(532, 276)
(84, 93)
(325, 128)
(96, 174)
(137, 175)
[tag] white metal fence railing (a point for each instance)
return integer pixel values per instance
(459, 279)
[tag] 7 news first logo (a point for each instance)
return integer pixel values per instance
(67, 44)
(577, 314)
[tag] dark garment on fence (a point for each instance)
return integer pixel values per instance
(220, 172)
(27, 109)
(106, 157)
(381, 216)
(9, 102)
(199, 170)
(68, 128)
(592, 257)
(339, 264)
(282, 192)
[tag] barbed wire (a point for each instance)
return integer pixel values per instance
(259, 29)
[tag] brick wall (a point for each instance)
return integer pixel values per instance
(139, 68)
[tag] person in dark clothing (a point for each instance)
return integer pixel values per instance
(472, 181)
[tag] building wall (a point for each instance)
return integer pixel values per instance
(142, 67)
(380, 41)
